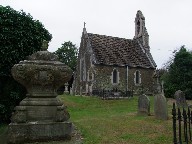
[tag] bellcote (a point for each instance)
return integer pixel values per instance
(140, 30)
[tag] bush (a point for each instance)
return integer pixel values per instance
(20, 36)
(12, 93)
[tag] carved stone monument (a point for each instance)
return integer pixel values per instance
(66, 88)
(160, 107)
(180, 99)
(41, 116)
(143, 105)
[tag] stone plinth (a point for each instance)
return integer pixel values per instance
(41, 116)
(39, 131)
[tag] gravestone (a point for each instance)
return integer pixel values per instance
(143, 105)
(66, 88)
(180, 99)
(160, 107)
(41, 116)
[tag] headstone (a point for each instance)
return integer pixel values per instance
(160, 107)
(41, 116)
(91, 89)
(71, 91)
(80, 90)
(143, 105)
(162, 87)
(159, 88)
(180, 99)
(66, 88)
(86, 88)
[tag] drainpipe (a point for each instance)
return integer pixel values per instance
(127, 81)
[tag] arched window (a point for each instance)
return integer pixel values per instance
(137, 78)
(114, 76)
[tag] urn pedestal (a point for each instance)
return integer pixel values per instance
(41, 116)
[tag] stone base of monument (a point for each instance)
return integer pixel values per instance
(39, 119)
(49, 131)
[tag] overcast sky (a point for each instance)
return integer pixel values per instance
(169, 22)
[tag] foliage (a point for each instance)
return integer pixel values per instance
(179, 76)
(20, 36)
(67, 54)
(11, 94)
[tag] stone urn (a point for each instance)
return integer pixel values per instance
(41, 115)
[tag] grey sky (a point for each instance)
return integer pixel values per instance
(169, 22)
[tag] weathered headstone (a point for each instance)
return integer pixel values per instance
(160, 107)
(41, 116)
(180, 99)
(66, 88)
(143, 105)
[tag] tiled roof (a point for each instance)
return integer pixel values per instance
(119, 51)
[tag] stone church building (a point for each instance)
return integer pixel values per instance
(112, 63)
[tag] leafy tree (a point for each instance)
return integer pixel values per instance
(20, 36)
(179, 74)
(68, 54)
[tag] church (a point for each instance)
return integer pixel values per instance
(113, 63)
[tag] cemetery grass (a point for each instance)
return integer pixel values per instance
(117, 122)
(114, 121)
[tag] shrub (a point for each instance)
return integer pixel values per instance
(20, 36)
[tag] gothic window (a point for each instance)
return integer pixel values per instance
(137, 78)
(90, 75)
(115, 76)
(138, 27)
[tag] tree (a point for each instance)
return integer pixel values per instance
(20, 36)
(179, 74)
(68, 54)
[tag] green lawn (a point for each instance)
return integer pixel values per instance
(115, 121)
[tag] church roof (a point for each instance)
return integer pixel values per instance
(110, 50)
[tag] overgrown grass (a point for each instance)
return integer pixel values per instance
(116, 121)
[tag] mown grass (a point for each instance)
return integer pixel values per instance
(115, 121)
